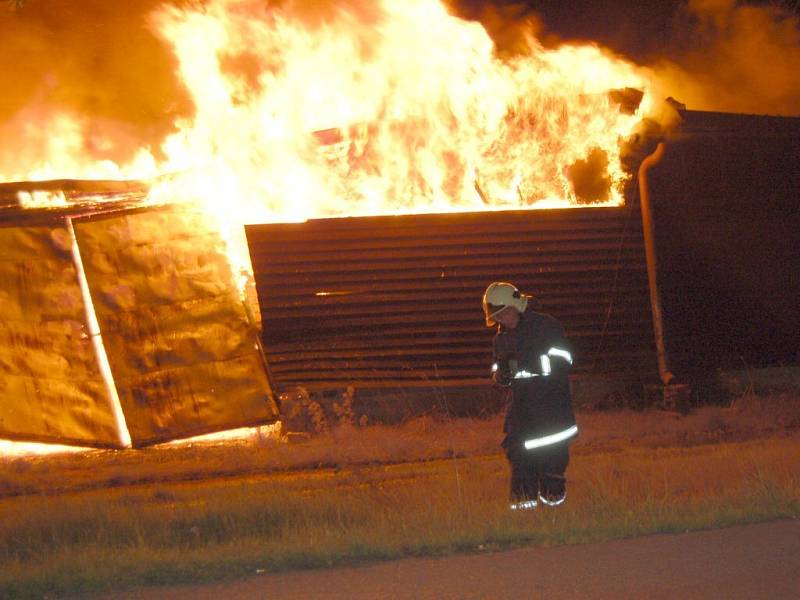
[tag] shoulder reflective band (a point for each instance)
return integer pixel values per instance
(544, 359)
(562, 353)
(552, 438)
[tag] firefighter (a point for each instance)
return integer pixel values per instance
(532, 358)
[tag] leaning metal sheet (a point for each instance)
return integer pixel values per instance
(182, 350)
(51, 389)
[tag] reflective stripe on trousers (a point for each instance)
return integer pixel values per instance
(553, 438)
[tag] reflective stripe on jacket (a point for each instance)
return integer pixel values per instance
(535, 359)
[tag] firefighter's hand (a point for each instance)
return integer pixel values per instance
(502, 378)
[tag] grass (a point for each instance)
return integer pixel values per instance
(161, 526)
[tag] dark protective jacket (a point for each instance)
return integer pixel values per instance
(534, 359)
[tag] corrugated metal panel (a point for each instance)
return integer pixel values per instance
(726, 205)
(51, 389)
(181, 345)
(388, 301)
(181, 348)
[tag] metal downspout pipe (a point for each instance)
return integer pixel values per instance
(650, 254)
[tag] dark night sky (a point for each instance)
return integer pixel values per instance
(641, 30)
(628, 27)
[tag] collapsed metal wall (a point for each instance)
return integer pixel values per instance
(178, 339)
(51, 388)
(395, 301)
(182, 352)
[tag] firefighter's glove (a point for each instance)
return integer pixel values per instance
(502, 378)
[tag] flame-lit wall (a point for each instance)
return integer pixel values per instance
(182, 353)
(396, 301)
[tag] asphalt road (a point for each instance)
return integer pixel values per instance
(753, 562)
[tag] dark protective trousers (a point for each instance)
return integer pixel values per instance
(538, 472)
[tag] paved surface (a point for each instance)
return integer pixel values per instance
(753, 562)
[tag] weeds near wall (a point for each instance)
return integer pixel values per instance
(344, 412)
(303, 412)
(300, 413)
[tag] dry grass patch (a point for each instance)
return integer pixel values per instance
(213, 529)
(103, 520)
(420, 439)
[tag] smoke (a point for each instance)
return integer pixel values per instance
(590, 179)
(512, 26)
(98, 69)
(716, 55)
(731, 58)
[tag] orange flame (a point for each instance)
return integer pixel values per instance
(409, 112)
(401, 108)
(406, 111)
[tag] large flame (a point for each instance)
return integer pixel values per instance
(407, 110)
(399, 108)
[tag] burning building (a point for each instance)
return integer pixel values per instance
(388, 305)
(380, 179)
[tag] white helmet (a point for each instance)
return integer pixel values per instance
(500, 295)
